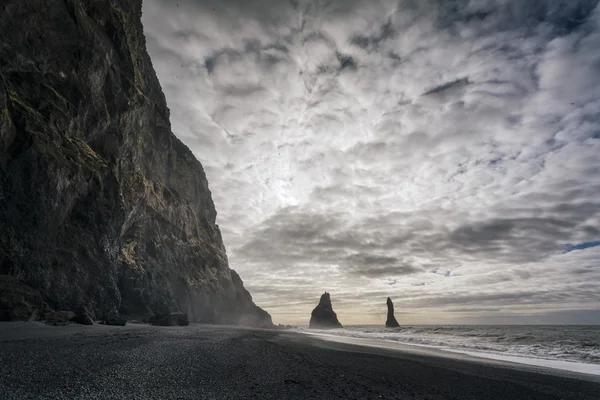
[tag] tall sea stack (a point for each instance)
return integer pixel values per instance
(323, 316)
(101, 206)
(391, 320)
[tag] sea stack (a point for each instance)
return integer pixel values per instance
(391, 320)
(323, 316)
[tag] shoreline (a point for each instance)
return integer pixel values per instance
(141, 361)
(561, 365)
(28, 330)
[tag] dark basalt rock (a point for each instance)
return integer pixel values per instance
(84, 310)
(19, 302)
(182, 319)
(116, 322)
(280, 326)
(172, 319)
(82, 316)
(83, 319)
(391, 320)
(100, 204)
(323, 316)
(60, 317)
(114, 319)
(46, 309)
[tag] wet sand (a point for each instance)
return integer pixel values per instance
(212, 362)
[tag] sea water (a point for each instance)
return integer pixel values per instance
(578, 344)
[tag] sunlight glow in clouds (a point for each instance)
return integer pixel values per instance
(444, 154)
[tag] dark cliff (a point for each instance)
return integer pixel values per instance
(391, 319)
(323, 316)
(100, 204)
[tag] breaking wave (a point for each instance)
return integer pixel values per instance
(565, 343)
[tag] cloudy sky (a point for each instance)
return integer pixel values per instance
(443, 153)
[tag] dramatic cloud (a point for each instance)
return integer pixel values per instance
(445, 154)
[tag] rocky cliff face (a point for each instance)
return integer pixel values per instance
(100, 204)
(323, 316)
(391, 320)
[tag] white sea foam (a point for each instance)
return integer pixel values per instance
(571, 348)
(593, 369)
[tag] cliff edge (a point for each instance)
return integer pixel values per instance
(101, 205)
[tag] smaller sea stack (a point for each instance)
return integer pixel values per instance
(323, 316)
(391, 320)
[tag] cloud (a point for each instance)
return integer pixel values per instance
(451, 147)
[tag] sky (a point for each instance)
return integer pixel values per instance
(443, 153)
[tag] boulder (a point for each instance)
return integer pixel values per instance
(115, 321)
(182, 319)
(83, 310)
(18, 302)
(113, 318)
(83, 319)
(46, 309)
(84, 316)
(171, 319)
(59, 317)
(323, 316)
(280, 326)
(391, 320)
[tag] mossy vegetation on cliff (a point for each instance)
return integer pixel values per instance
(134, 50)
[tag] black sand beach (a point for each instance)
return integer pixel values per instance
(208, 362)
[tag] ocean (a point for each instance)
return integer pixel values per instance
(575, 343)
